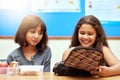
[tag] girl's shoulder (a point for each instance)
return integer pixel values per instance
(47, 48)
(17, 51)
(68, 50)
(66, 53)
(46, 51)
(105, 48)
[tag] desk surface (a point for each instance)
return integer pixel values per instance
(51, 76)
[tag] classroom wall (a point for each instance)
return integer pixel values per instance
(58, 23)
(57, 46)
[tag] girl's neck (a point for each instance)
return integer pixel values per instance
(29, 52)
(30, 49)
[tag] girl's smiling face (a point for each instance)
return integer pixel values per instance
(87, 35)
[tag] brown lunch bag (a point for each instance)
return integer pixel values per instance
(84, 58)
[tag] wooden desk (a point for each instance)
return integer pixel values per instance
(51, 76)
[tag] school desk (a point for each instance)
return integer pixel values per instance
(51, 76)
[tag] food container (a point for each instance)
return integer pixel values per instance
(33, 70)
(3, 67)
(3, 70)
(13, 68)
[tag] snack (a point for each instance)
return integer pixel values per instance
(14, 64)
(29, 73)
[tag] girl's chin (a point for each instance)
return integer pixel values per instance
(33, 45)
(85, 45)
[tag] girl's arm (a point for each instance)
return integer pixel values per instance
(113, 63)
(109, 57)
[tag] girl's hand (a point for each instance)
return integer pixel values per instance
(102, 71)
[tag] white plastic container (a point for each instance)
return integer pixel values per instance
(33, 70)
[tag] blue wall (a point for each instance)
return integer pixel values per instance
(58, 23)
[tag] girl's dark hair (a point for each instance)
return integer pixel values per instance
(29, 22)
(92, 20)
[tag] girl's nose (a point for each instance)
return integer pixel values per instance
(36, 35)
(85, 36)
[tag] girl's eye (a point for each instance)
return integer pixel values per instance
(32, 31)
(40, 32)
(90, 33)
(82, 33)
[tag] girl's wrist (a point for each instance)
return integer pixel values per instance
(112, 71)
